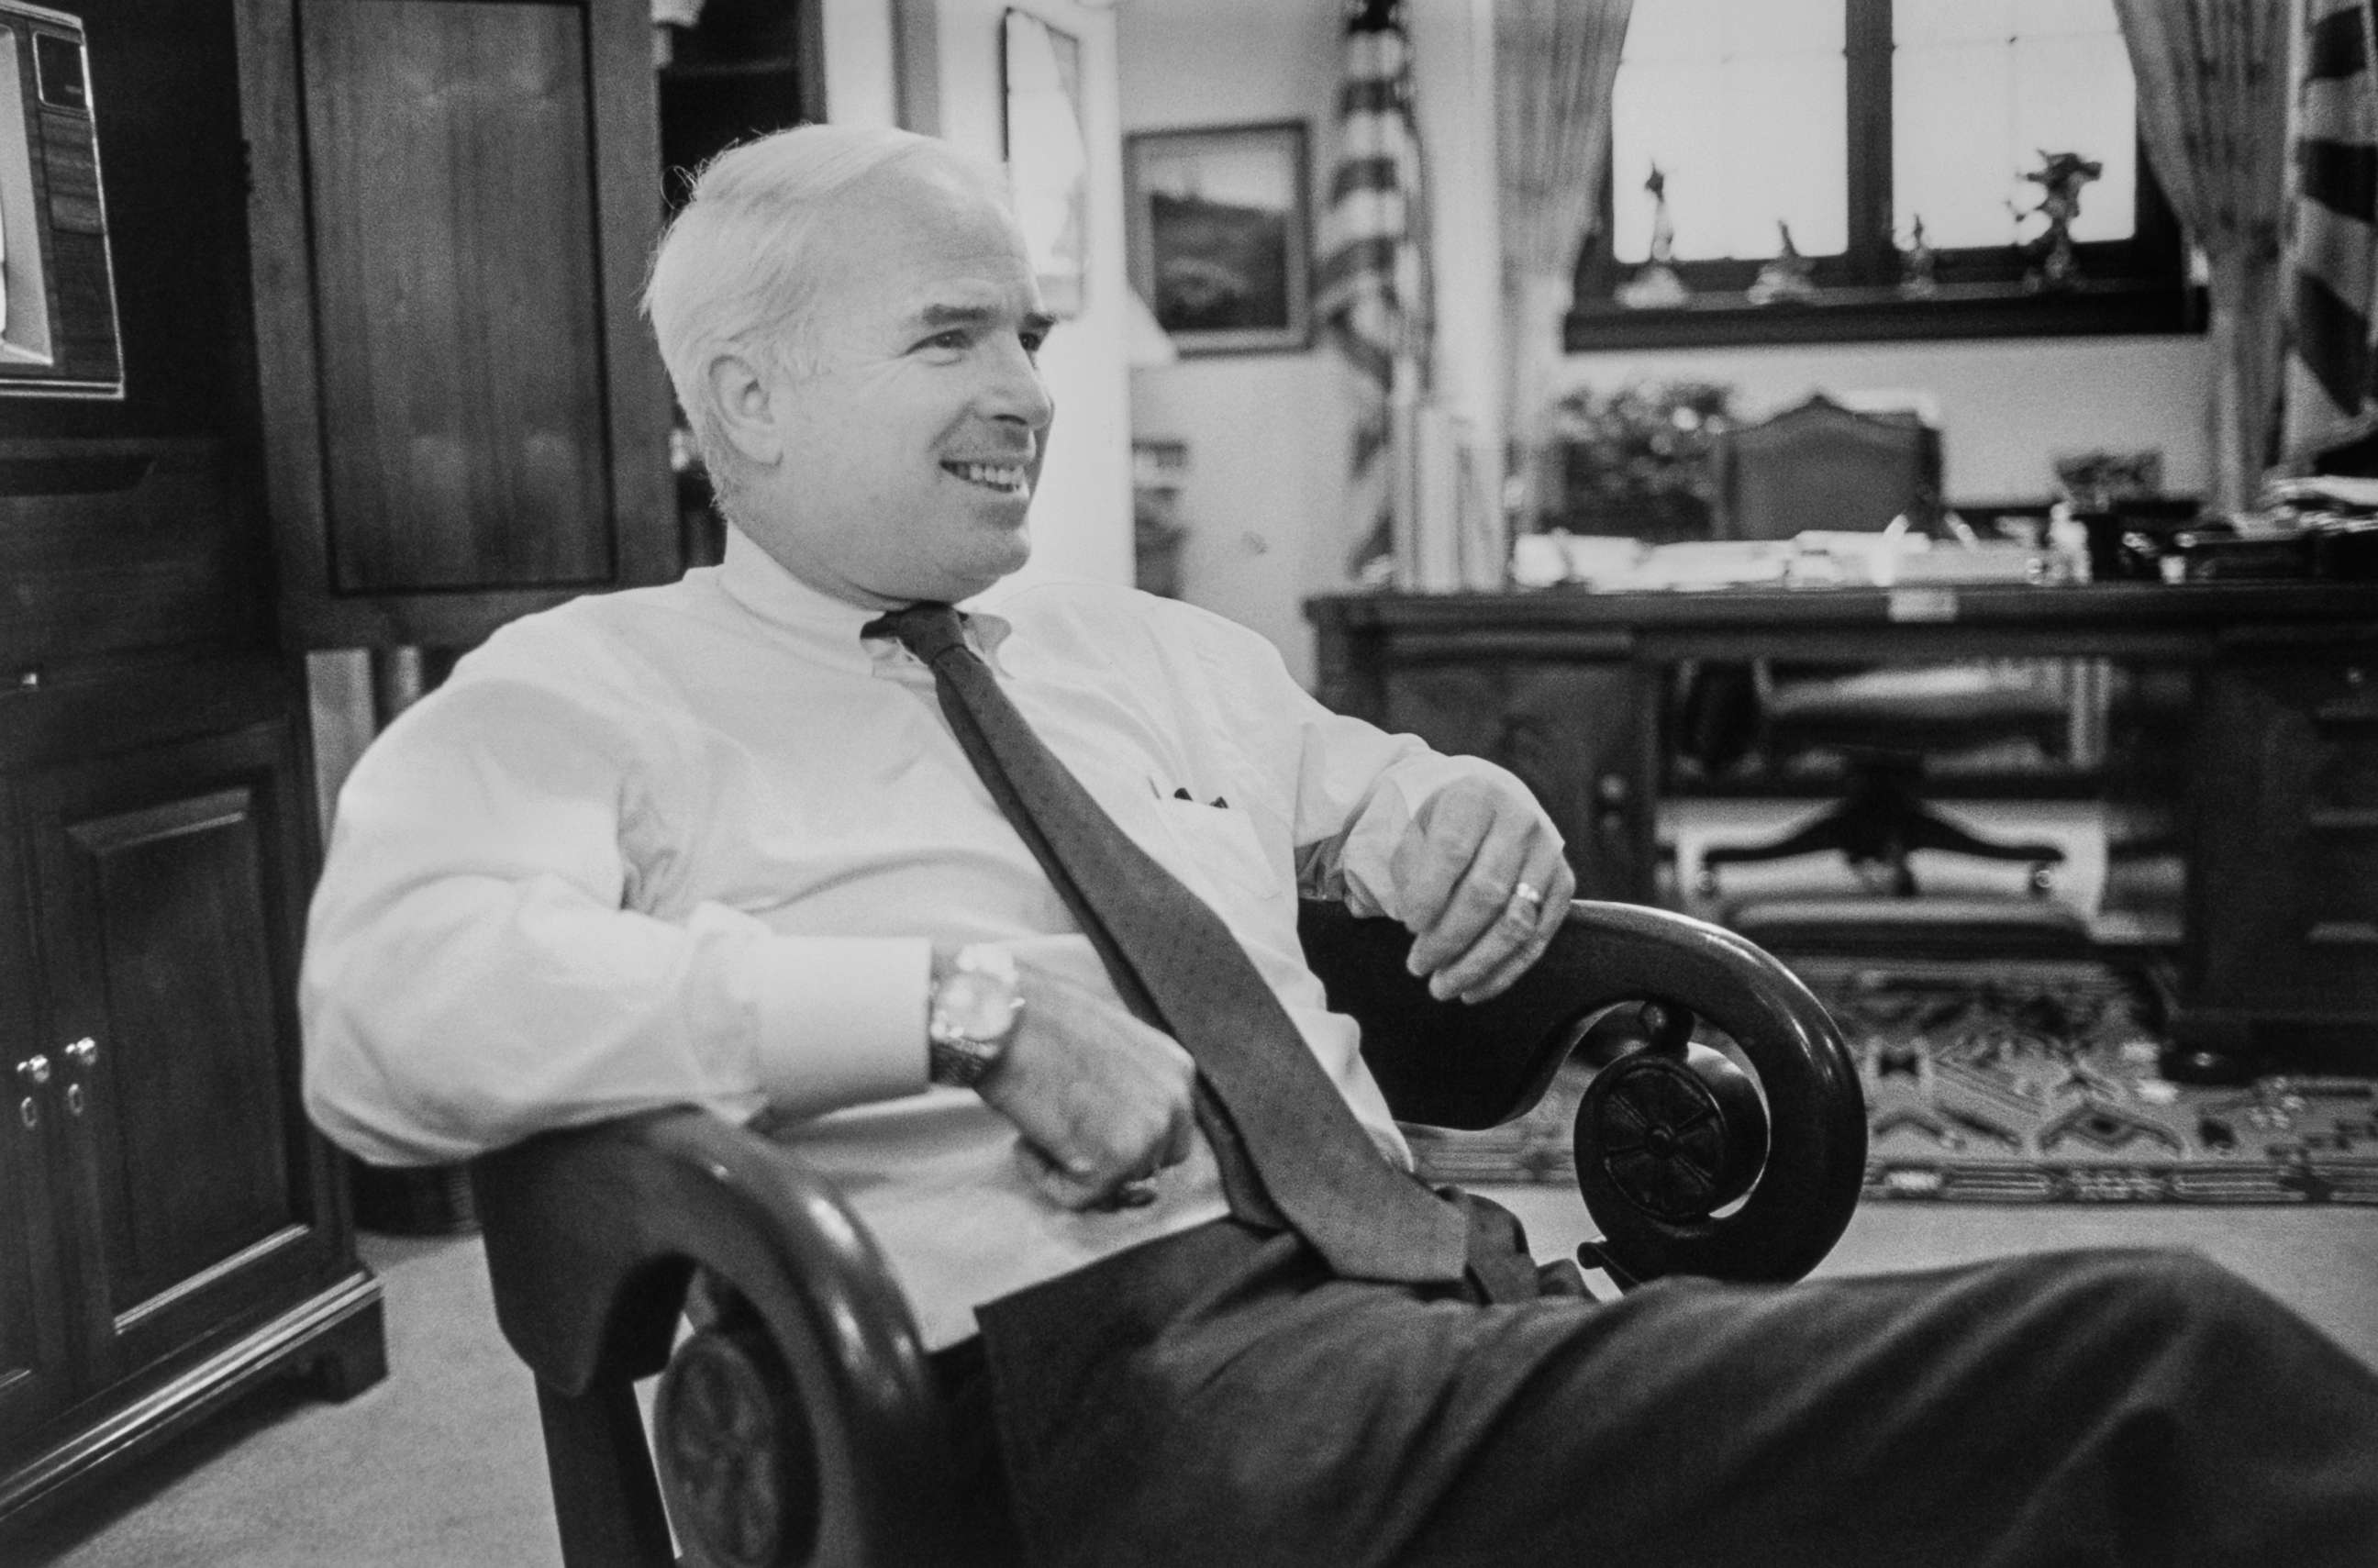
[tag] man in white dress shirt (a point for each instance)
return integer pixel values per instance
(708, 843)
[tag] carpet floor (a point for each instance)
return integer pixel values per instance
(440, 1466)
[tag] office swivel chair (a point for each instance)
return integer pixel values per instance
(800, 1425)
(1820, 465)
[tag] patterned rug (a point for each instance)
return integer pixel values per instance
(2031, 1082)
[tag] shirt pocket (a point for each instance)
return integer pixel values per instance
(1220, 847)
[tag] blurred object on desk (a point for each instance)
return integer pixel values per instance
(2101, 481)
(2312, 527)
(2128, 539)
(1634, 462)
(1817, 558)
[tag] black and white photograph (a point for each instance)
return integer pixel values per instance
(1188, 783)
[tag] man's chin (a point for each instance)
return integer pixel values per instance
(987, 568)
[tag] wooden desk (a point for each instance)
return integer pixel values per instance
(2278, 798)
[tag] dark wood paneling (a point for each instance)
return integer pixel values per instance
(113, 546)
(168, 907)
(2286, 892)
(35, 1373)
(451, 208)
(457, 278)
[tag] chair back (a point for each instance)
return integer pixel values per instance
(1821, 465)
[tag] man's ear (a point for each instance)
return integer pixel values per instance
(743, 392)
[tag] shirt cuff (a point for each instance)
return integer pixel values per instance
(842, 1020)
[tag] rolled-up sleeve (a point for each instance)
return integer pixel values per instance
(472, 973)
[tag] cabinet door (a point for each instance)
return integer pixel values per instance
(169, 881)
(2283, 873)
(35, 1376)
(1573, 732)
(452, 202)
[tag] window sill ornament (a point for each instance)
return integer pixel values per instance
(1785, 279)
(1655, 284)
(2059, 177)
(1916, 265)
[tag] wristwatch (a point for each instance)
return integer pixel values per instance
(972, 1016)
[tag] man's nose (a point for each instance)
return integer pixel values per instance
(1017, 392)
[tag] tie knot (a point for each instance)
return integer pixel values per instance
(925, 629)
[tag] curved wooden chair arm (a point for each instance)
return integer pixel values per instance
(1449, 1065)
(592, 1235)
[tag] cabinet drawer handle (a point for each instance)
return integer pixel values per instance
(34, 1071)
(74, 1099)
(28, 1112)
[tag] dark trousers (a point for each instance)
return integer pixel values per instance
(1218, 1398)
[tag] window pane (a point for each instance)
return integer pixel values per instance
(1953, 124)
(1980, 88)
(2044, 19)
(1789, 117)
(1742, 105)
(1915, 22)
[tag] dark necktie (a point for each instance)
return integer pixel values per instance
(1178, 967)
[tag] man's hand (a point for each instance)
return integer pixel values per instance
(1101, 1100)
(1465, 867)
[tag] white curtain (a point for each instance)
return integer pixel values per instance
(1555, 61)
(2213, 87)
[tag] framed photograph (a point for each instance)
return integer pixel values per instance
(1047, 156)
(1221, 223)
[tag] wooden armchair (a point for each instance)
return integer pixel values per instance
(806, 1431)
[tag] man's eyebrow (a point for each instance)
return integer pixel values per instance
(939, 317)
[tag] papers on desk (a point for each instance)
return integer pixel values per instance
(1819, 558)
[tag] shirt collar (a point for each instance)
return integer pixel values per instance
(826, 626)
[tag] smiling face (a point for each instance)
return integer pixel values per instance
(901, 437)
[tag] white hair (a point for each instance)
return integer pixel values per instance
(729, 272)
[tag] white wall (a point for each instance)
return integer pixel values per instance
(1266, 433)
(950, 66)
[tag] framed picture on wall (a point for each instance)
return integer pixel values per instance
(1221, 223)
(1048, 155)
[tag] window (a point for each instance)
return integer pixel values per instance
(1844, 124)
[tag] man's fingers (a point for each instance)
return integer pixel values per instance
(1477, 892)
(1481, 909)
(1080, 1193)
(1532, 910)
(1500, 975)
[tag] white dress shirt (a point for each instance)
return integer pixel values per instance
(693, 843)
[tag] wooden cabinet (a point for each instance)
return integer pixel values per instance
(2284, 900)
(450, 206)
(177, 1231)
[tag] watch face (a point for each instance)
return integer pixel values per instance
(972, 1006)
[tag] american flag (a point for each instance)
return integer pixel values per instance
(2332, 385)
(1373, 296)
